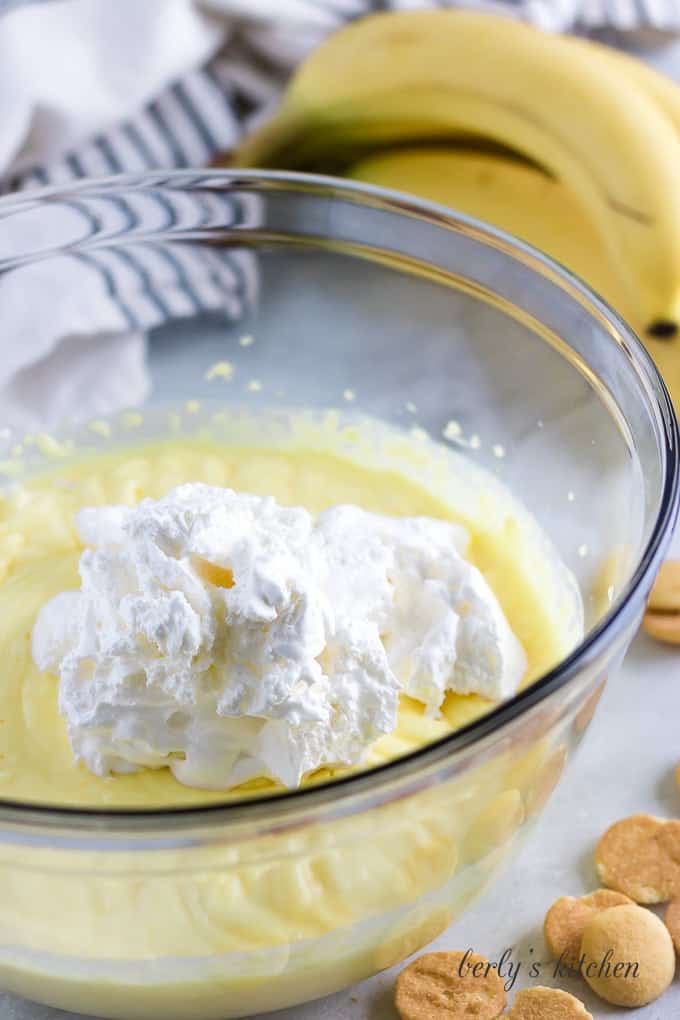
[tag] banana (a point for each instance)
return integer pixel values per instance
(397, 78)
(525, 202)
(518, 198)
(661, 89)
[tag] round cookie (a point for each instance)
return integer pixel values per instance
(662, 619)
(664, 627)
(628, 955)
(640, 856)
(672, 920)
(568, 916)
(665, 594)
(449, 986)
(541, 1003)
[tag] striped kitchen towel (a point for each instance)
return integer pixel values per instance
(256, 44)
(99, 89)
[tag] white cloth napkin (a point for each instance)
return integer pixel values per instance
(91, 89)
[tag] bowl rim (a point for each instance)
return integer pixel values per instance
(18, 814)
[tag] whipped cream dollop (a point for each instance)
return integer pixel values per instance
(225, 636)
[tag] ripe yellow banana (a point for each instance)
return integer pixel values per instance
(513, 196)
(523, 201)
(396, 78)
(661, 89)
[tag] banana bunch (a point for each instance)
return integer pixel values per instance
(579, 144)
(514, 196)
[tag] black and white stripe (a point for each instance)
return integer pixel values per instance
(194, 119)
(187, 125)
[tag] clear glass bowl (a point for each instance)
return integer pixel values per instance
(406, 305)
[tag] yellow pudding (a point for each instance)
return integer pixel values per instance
(39, 549)
(229, 926)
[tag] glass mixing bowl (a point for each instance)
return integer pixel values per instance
(418, 317)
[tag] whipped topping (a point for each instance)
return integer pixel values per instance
(226, 636)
